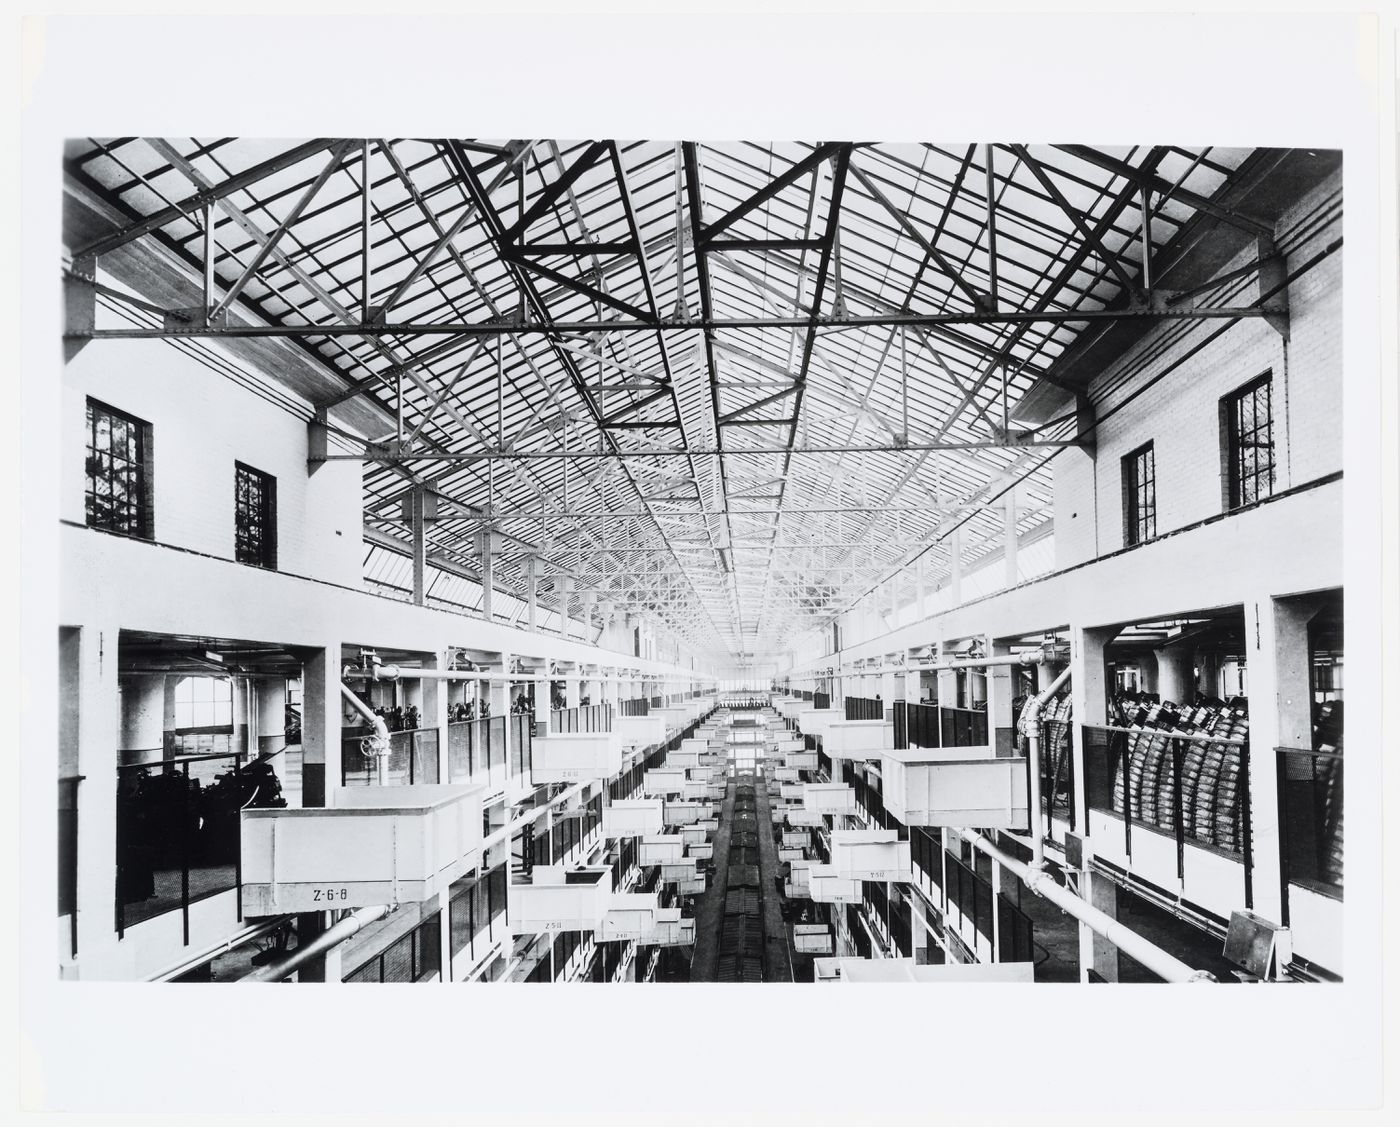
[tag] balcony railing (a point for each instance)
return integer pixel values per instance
(414, 957)
(1192, 787)
(68, 855)
(179, 834)
(583, 718)
(930, 725)
(864, 708)
(476, 915)
(475, 746)
(1310, 818)
(637, 706)
(821, 700)
(413, 758)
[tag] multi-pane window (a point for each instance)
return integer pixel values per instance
(254, 516)
(118, 471)
(1248, 425)
(1139, 496)
(203, 702)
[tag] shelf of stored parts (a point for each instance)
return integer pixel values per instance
(372, 845)
(962, 786)
(571, 757)
(870, 855)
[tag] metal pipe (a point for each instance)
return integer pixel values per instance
(1032, 715)
(214, 950)
(379, 742)
(333, 936)
(412, 673)
(1160, 962)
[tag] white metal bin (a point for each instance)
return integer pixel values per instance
(372, 845)
(560, 900)
(633, 817)
(827, 886)
(870, 855)
(661, 849)
(660, 781)
(829, 798)
(571, 757)
(639, 731)
(630, 915)
(956, 786)
(858, 739)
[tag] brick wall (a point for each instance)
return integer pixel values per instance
(202, 422)
(1180, 414)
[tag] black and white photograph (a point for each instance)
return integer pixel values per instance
(926, 578)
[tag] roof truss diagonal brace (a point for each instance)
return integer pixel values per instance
(1111, 260)
(979, 300)
(205, 195)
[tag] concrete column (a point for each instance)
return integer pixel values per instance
(142, 717)
(572, 687)
(322, 714)
(1147, 673)
(1280, 715)
(88, 687)
(1089, 692)
(1001, 694)
(1095, 952)
(498, 692)
(272, 716)
(1208, 681)
(432, 711)
(241, 713)
(1176, 674)
(919, 587)
(890, 689)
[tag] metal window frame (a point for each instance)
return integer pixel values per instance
(144, 494)
(265, 520)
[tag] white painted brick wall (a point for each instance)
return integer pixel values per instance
(202, 422)
(1180, 415)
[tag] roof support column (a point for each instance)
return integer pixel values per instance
(1009, 531)
(417, 518)
(532, 588)
(490, 548)
(955, 565)
(565, 587)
